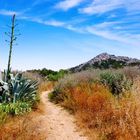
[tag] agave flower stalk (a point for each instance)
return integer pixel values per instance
(12, 39)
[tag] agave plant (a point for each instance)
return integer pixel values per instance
(18, 89)
(22, 89)
(17, 94)
(4, 92)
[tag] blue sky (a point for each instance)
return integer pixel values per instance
(60, 34)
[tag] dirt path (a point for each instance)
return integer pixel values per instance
(60, 124)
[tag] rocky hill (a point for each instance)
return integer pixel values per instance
(106, 61)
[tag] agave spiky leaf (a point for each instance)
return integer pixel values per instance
(0, 75)
(18, 89)
(23, 89)
(4, 92)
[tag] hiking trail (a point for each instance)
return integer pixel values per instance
(60, 124)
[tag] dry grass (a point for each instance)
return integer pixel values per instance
(27, 127)
(33, 76)
(117, 120)
(46, 86)
(30, 126)
(102, 115)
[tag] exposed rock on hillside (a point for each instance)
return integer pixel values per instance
(106, 61)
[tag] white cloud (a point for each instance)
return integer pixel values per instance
(107, 30)
(54, 23)
(74, 29)
(8, 12)
(123, 37)
(68, 4)
(103, 6)
(41, 21)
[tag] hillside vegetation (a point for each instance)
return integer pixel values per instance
(105, 102)
(49, 75)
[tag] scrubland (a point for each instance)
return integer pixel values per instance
(105, 103)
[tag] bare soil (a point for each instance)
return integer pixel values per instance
(60, 123)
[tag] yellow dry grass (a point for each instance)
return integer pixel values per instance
(46, 86)
(97, 110)
(26, 127)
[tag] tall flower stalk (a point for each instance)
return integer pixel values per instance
(16, 88)
(12, 39)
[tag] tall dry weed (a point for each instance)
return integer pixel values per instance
(97, 110)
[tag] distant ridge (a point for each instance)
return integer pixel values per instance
(106, 61)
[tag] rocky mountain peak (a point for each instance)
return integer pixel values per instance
(102, 56)
(105, 61)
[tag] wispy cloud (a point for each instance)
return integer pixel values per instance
(8, 12)
(109, 32)
(55, 23)
(106, 30)
(103, 6)
(51, 22)
(68, 4)
(115, 30)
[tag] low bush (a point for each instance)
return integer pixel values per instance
(50, 75)
(117, 82)
(79, 96)
(56, 76)
(17, 108)
(131, 72)
(52, 96)
(3, 116)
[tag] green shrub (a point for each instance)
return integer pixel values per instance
(3, 116)
(116, 82)
(50, 74)
(51, 96)
(56, 76)
(55, 96)
(52, 77)
(44, 72)
(18, 108)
